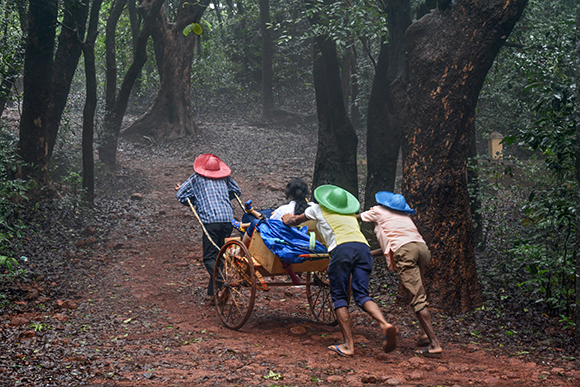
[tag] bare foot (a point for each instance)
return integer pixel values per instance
(390, 339)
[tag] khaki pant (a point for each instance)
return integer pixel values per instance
(411, 260)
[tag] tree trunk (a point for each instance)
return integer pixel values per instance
(337, 140)
(346, 77)
(47, 87)
(387, 97)
(473, 183)
(65, 64)
(90, 104)
(267, 57)
(354, 110)
(449, 55)
(577, 251)
(170, 115)
(116, 107)
(38, 69)
(135, 20)
(111, 54)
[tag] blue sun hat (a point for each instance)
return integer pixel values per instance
(336, 199)
(393, 201)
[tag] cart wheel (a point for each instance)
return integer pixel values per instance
(234, 284)
(318, 293)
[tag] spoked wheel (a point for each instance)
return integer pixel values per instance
(318, 293)
(234, 284)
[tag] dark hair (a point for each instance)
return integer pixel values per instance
(297, 190)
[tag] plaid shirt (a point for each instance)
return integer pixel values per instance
(211, 197)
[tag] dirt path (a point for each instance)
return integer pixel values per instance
(141, 319)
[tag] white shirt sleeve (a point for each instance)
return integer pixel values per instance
(283, 210)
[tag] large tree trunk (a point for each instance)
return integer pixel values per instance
(170, 115)
(111, 53)
(38, 69)
(387, 97)
(577, 311)
(116, 107)
(65, 63)
(267, 57)
(90, 104)
(337, 140)
(47, 81)
(449, 54)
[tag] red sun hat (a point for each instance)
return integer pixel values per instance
(209, 165)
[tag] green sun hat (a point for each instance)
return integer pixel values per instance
(336, 199)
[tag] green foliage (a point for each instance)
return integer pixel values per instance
(358, 28)
(194, 27)
(346, 22)
(11, 190)
(546, 247)
(554, 132)
(530, 98)
(216, 82)
(529, 218)
(227, 73)
(8, 262)
(12, 40)
(532, 78)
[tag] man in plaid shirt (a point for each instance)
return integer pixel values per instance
(210, 190)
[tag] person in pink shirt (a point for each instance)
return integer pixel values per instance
(407, 253)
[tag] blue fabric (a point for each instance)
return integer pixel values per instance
(351, 259)
(252, 226)
(211, 197)
(287, 242)
(247, 218)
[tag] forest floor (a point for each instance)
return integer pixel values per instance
(116, 296)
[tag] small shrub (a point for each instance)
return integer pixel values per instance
(8, 262)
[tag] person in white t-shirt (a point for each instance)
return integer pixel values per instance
(296, 190)
(351, 262)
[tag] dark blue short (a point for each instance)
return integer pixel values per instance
(352, 259)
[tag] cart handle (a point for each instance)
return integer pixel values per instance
(239, 201)
(320, 255)
(200, 222)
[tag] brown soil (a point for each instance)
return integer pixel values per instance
(140, 318)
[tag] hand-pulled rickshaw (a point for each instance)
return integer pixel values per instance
(240, 272)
